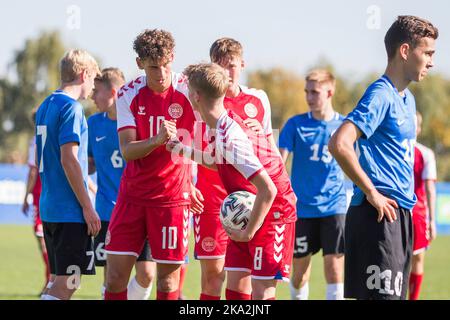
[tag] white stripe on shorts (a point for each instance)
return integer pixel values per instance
(122, 253)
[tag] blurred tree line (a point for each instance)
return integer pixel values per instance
(34, 74)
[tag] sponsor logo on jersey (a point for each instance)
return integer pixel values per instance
(250, 110)
(98, 139)
(208, 244)
(175, 110)
(141, 111)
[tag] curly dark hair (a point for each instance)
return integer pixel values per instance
(156, 45)
(408, 29)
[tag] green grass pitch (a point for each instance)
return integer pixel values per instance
(22, 271)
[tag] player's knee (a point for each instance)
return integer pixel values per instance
(214, 279)
(417, 263)
(146, 277)
(334, 267)
(334, 274)
(116, 279)
(167, 283)
(262, 291)
(214, 273)
(299, 278)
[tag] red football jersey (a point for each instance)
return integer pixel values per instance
(424, 169)
(250, 103)
(161, 179)
(241, 154)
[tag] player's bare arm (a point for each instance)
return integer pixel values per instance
(196, 200)
(72, 169)
(31, 181)
(341, 147)
(264, 199)
(430, 188)
(284, 154)
(254, 125)
(133, 150)
(92, 187)
(191, 153)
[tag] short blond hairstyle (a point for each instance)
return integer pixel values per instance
(75, 62)
(209, 78)
(321, 76)
(225, 48)
(113, 78)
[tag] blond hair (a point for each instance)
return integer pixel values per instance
(113, 78)
(224, 49)
(322, 76)
(209, 78)
(75, 62)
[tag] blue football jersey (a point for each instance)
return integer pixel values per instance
(60, 120)
(386, 148)
(317, 179)
(104, 148)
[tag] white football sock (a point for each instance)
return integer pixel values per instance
(103, 292)
(335, 291)
(49, 285)
(299, 294)
(136, 292)
(48, 297)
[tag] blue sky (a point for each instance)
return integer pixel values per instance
(291, 34)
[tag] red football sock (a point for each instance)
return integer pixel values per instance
(167, 295)
(208, 297)
(415, 282)
(234, 295)
(116, 296)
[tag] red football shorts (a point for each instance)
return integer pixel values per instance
(421, 236)
(267, 256)
(167, 231)
(210, 237)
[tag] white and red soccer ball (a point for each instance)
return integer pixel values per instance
(236, 209)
